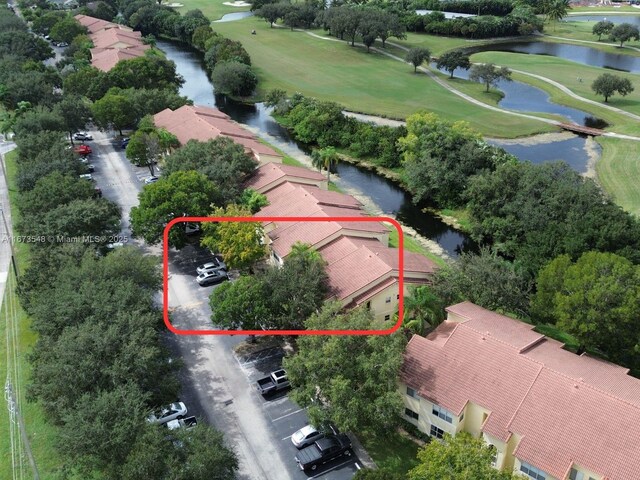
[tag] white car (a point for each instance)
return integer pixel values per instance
(86, 176)
(307, 435)
(82, 136)
(174, 411)
(150, 180)
(212, 266)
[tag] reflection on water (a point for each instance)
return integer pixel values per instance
(389, 198)
(617, 19)
(230, 17)
(575, 53)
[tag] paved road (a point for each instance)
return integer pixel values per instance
(216, 384)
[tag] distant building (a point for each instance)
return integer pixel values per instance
(206, 123)
(447, 15)
(550, 414)
(112, 42)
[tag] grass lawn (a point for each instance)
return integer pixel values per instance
(566, 73)
(41, 434)
(369, 83)
(605, 8)
(619, 172)
(213, 9)
(411, 245)
(393, 452)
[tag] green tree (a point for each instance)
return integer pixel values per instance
(87, 82)
(75, 113)
(350, 380)
(66, 30)
(556, 10)
(599, 303)
(454, 59)
(149, 71)
(113, 110)
(422, 310)
(106, 440)
(548, 284)
(223, 161)
(244, 304)
(179, 194)
(234, 78)
(42, 24)
(457, 458)
(325, 158)
(240, 243)
(489, 74)
(624, 32)
(607, 85)
(271, 12)
(378, 474)
(253, 200)
(51, 191)
(602, 27)
(486, 280)
(417, 56)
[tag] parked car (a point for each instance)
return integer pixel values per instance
(212, 278)
(63, 44)
(306, 436)
(82, 149)
(86, 176)
(90, 167)
(191, 228)
(150, 180)
(275, 382)
(97, 192)
(176, 410)
(323, 451)
(124, 142)
(215, 264)
(82, 136)
(186, 423)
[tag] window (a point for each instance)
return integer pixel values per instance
(398, 297)
(576, 475)
(436, 432)
(387, 317)
(368, 305)
(494, 455)
(532, 472)
(387, 300)
(410, 413)
(461, 416)
(442, 413)
(411, 392)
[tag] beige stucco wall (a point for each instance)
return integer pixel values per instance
(588, 474)
(266, 158)
(379, 305)
(474, 417)
(426, 418)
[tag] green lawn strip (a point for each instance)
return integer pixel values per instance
(369, 83)
(610, 9)
(42, 435)
(618, 172)
(392, 452)
(411, 245)
(460, 216)
(566, 73)
(554, 332)
(211, 9)
(436, 44)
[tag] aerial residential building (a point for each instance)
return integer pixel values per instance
(550, 414)
(272, 175)
(205, 123)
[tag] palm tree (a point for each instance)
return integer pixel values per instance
(324, 158)
(422, 310)
(556, 10)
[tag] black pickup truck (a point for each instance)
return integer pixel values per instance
(275, 382)
(323, 451)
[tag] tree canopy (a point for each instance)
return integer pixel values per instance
(489, 74)
(350, 380)
(597, 300)
(417, 56)
(459, 457)
(624, 32)
(607, 85)
(452, 60)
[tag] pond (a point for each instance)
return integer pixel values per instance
(522, 97)
(617, 19)
(230, 17)
(576, 53)
(386, 195)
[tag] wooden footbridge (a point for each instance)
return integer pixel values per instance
(574, 127)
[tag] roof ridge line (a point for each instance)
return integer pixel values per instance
(524, 397)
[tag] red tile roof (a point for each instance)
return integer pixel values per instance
(567, 408)
(270, 175)
(112, 42)
(205, 123)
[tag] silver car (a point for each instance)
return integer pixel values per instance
(306, 436)
(212, 266)
(212, 278)
(168, 413)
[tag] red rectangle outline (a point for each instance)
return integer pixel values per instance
(165, 268)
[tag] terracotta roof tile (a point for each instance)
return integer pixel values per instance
(566, 408)
(205, 123)
(107, 59)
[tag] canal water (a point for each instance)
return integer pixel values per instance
(385, 195)
(617, 19)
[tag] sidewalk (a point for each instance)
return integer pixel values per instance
(5, 246)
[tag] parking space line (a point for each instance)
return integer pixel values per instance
(332, 468)
(358, 466)
(287, 415)
(286, 438)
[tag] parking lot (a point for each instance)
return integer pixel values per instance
(285, 417)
